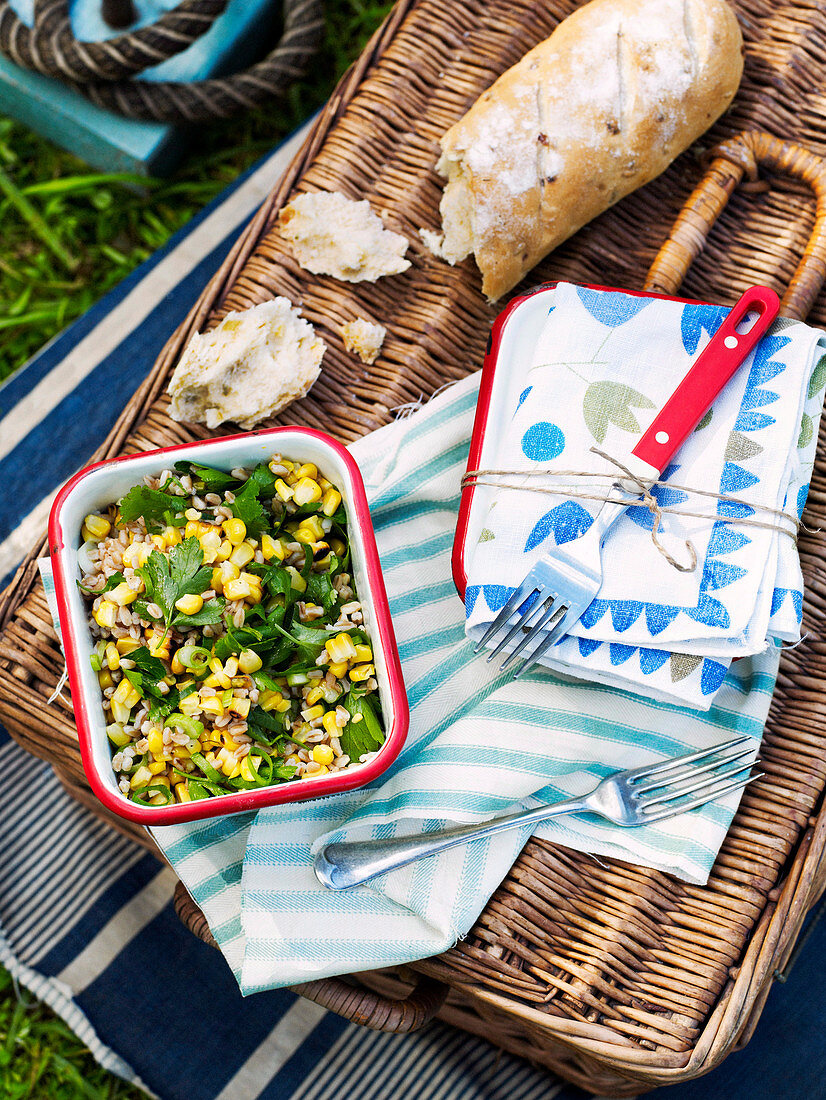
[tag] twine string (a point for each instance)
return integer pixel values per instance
(778, 519)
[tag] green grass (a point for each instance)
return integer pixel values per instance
(68, 236)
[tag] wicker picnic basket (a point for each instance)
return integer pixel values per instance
(616, 977)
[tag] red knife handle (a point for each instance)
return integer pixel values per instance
(707, 376)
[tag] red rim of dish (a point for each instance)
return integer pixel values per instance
(243, 801)
(477, 437)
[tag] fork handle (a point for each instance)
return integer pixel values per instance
(349, 863)
(710, 372)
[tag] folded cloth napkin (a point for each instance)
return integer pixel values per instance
(479, 745)
(603, 365)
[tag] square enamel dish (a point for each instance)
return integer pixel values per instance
(96, 487)
(512, 341)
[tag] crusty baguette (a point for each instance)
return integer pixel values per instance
(598, 109)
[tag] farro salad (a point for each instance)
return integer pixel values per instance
(231, 650)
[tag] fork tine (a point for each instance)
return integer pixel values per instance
(520, 624)
(517, 597)
(555, 607)
(707, 796)
(707, 783)
(692, 770)
(681, 761)
(553, 635)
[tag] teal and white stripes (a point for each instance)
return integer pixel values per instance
(478, 745)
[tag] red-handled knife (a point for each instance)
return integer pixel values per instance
(563, 583)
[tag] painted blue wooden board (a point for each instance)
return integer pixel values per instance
(106, 140)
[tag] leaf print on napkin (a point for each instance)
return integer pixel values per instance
(697, 319)
(611, 309)
(682, 665)
(486, 535)
(566, 521)
(740, 448)
(704, 423)
(607, 403)
(818, 379)
(806, 432)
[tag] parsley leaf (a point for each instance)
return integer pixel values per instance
(212, 479)
(157, 508)
(264, 478)
(181, 573)
(363, 733)
(112, 582)
(248, 507)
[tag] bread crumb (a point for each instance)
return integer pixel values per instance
(363, 339)
(249, 367)
(433, 241)
(333, 235)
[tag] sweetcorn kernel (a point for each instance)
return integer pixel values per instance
(338, 669)
(314, 695)
(241, 707)
(330, 725)
(229, 571)
(156, 767)
(330, 502)
(106, 615)
(363, 653)
(271, 548)
(340, 648)
(308, 469)
(242, 555)
(283, 489)
(224, 550)
(269, 700)
(97, 526)
(190, 604)
(323, 754)
(296, 580)
(112, 656)
(236, 530)
(307, 491)
(236, 589)
(293, 760)
(249, 661)
(361, 672)
(127, 645)
(122, 594)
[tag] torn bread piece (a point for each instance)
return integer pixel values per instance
(249, 367)
(363, 338)
(333, 235)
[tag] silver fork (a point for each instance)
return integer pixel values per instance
(565, 581)
(636, 797)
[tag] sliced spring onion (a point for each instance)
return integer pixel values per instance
(141, 795)
(195, 658)
(190, 726)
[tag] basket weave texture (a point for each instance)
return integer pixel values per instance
(615, 976)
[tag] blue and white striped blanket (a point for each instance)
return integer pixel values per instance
(86, 921)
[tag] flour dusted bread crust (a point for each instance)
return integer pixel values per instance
(598, 109)
(247, 368)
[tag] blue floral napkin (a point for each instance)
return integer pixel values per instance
(604, 364)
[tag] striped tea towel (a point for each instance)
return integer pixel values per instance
(603, 365)
(479, 745)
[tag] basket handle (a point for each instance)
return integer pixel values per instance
(354, 1003)
(730, 161)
